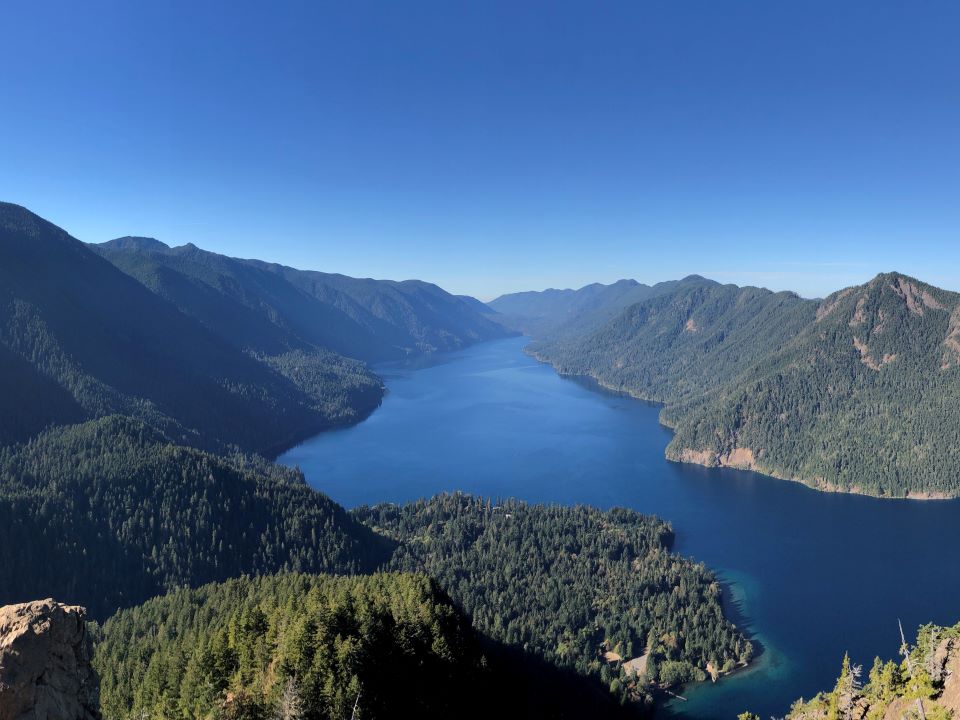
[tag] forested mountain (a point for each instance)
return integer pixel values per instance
(865, 398)
(79, 339)
(925, 678)
(271, 309)
(312, 647)
(565, 582)
(857, 392)
(682, 342)
(552, 311)
(109, 513)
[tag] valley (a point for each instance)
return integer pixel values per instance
(516, 490)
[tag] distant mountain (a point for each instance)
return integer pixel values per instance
(692, 336)
(568, 311)
(80, 339)
(477, 305)
(858, 392)
(271, 309)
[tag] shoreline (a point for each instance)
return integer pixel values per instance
(710, 460)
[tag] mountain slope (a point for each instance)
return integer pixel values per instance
(686, 339)
(554, 312)
(865, 398)
(109, 513)
(271, 309)
(383, 646)
(90, 341)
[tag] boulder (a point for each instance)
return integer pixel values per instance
(45, 671)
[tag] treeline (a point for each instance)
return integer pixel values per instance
(567, 583)
(301, 647)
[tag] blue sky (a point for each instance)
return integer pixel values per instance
(499, 146)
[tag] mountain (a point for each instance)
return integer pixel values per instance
(553, 312)
(477, 305)
(857, 392)
(864, 398)
(80, 339)
(691, 337)
(270, 309)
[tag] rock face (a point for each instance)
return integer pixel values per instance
(45, 671)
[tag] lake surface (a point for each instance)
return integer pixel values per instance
(812, 574)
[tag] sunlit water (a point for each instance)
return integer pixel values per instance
(810, 575)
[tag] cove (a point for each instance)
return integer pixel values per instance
(810, 575)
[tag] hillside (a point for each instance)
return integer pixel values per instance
(79, 339)
(564, 311)
(686, 340)
(109, 513)
(563, 582)
(292, 646)
(856, 392)
(271, 309)
(892, 689)
(865, 398)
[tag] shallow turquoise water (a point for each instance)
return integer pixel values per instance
(812, 574)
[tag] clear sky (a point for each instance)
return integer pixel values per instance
(498, 146)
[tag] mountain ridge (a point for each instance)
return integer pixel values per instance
(853, 392)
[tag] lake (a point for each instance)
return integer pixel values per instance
(810, 575)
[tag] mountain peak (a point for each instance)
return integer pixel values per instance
(696, 279)
(133, 242)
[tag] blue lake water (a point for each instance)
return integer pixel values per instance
(811, 575)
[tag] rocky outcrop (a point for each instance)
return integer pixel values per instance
(45, 671)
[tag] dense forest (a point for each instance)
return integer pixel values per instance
(681, 343)
(314, 647)
(857, 392)
(924, 679)
(109, 513)
(271, 309)
(566, 582)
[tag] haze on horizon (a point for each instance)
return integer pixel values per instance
(502, 146)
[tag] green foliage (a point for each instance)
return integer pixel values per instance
(923, 679)
(312, 647)
(680, 343)
(562, 581)
(342, 390)
(392, 640)
(109, 513)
